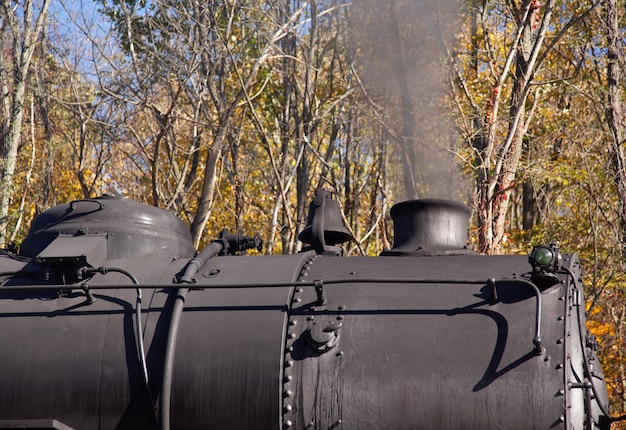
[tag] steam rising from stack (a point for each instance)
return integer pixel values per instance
(403, 48)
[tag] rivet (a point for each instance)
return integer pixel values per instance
(287, 393)
(288, 408)
(288, 378)
(289, 363)
(561, 392)
(561, 418)
(291, 336)
(310, 317)
(297, 300)
(339, 354)
(342, 307)
(559, 341)
(559, 366)
(288, 423)
(560, 318)
(561, 298)
(339, 317)
(290, 348)
(299, 290)
(293, 322)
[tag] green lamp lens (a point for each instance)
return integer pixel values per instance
(543, 256)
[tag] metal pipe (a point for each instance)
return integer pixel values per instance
(141, 353)
(583, 345)
(187, 277)
(194, 265)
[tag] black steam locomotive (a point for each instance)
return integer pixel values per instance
(110, 319)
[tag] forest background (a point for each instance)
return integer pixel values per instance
(231, 113)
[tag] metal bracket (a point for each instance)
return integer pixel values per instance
(319, 290)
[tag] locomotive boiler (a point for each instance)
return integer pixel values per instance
(109, 318)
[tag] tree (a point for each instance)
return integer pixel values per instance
(507, 50)
(615, 109)
(21, 25)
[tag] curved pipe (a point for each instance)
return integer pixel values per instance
(581, 329)
(187, 277)
(537, 293)
(141, 354)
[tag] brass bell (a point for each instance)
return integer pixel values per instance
(325, 226)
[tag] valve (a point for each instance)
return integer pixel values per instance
(234, 243)
(323, 337)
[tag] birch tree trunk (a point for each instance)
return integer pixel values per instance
(15, 63)
(615, 110)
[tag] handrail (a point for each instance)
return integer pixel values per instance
(98, 202)
(319, 283)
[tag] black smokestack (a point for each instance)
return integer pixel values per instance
(429, 227)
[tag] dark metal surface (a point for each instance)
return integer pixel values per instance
(77, 363)
(325, 227)
(228, 370)
(424, 355)
(133, 229)
(440, 339)
(429, 226)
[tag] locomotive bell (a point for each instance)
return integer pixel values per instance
(324, 225)
(429, 226)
